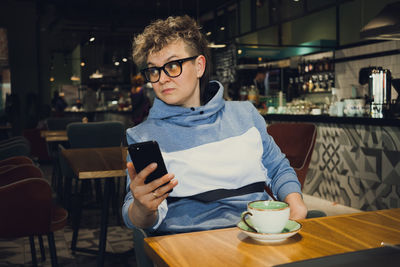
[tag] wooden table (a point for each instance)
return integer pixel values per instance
(92, 163)
(53, 139)
(54, 136)
(319, 237)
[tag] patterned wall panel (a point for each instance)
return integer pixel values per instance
(356, 165)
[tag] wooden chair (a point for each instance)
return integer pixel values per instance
(28, 210)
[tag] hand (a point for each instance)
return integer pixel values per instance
(298, 209)
(147, 196)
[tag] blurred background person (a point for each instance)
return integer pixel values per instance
(90, 103)
(139, 100)
(58, 103)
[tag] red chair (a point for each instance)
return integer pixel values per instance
(16, 160)
(296, 141)
(27, 208)
(19, 172)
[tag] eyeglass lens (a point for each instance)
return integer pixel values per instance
(172, 69)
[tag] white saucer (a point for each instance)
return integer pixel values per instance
(291, 228)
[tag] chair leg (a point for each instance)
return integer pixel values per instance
(33, 251)
(78, 203)
(42, 251)
(99, 195)
(52, 248)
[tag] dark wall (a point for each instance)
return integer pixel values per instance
(20, 20)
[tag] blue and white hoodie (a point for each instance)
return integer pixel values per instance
(219, 153)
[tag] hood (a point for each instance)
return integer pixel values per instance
(386, 25)
(191, 116)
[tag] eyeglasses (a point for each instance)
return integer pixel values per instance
(173, 69)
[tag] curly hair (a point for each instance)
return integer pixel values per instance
(161, 33)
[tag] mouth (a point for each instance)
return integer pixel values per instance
(167, 91)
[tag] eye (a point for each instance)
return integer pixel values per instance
(173, 67)
(153, 71)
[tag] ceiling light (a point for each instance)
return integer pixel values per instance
(83, 64)
(51, 79)
(222, 28)
(116, 63)
(212, 45)
(239, 51)
(208, 33)
(125, 59)
(96, 75)
(75, 78)
(92, 39)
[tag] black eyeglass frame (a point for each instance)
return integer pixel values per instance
(179, 61)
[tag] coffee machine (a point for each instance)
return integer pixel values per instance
(380, 90)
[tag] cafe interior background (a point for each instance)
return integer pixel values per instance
(313, 51)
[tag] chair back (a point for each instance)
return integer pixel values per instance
(60, 124)
(16, 160)
(15, 149)
(19, 172)
(95, 134)
(25, 208)
(296, 141)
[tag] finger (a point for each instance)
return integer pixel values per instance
(164, 189)
(161, 181)
(142, 175)
(131, 170)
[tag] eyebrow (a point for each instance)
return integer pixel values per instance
(168, 60)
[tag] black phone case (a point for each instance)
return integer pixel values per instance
(142, 154)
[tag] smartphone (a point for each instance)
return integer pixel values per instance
(144, 153)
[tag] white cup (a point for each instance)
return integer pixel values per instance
(266, 216)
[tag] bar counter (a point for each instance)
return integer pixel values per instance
(395, 121)
(356, 160)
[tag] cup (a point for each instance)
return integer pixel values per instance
(266, 216)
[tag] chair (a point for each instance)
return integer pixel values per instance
(92, 135)
(16, 160)
(28, 210)
(60, 124)
(296, 141)
(14, 149)
(19, 172)
(38, 144)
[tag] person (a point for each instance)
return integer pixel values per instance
(139, 101)
(58, 103)
(261, 81)
(90, 104)
(218, 153)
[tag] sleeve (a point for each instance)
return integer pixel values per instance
(128, 200)
(282, 178)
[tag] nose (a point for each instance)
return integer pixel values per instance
(163, 77)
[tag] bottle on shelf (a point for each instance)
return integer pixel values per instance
(333, 103)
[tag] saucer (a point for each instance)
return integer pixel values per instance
(291, 228)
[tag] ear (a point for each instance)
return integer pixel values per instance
(200, 65)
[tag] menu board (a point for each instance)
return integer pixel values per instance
(225, 64)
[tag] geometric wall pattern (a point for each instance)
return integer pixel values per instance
(356, 165)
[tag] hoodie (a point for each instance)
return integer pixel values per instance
(221, 155)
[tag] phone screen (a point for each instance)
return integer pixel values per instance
(142, 154)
